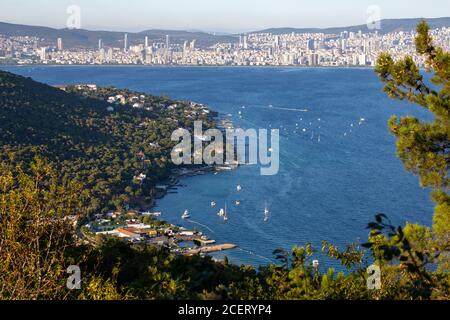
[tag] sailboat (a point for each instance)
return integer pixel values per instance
(266, 213)
(213, 204)
(221, 213)
(238, 188)
(238, 202)
(225, 217)
(185, 215)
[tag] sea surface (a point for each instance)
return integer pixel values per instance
(326, 189)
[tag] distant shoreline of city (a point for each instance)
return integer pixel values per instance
(311, 49)
(187, 66)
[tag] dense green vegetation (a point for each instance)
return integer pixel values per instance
(101, 149)
(39, 197)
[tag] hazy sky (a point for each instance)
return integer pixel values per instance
(214, 15)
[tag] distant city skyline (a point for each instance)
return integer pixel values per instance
(232, 16)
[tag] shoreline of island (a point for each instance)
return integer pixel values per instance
(133, 226)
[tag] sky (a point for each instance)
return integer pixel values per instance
(215, 15)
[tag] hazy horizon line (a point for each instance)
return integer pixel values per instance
(218, 32)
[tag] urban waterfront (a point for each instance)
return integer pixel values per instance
(336, 170)
(264, 48)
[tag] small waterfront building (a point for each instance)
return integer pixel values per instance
(129, 233)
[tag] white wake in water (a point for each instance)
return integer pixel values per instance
(254, 254)
(200, 224)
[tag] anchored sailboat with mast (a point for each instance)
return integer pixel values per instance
(225, 217)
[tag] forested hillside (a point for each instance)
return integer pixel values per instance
(101, 149)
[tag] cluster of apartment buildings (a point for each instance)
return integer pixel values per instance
(254, 49)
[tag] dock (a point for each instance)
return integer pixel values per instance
(209, 249)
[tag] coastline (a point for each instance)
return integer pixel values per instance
(173, 182)
(190, 66)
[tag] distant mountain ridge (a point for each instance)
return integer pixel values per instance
(89, 38)
(386, 26)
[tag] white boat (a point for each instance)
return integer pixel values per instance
(238, 188)
(237, 202)
(225, 216)
(213, 204)
(185, 215)
(221, 213)
(266, 213)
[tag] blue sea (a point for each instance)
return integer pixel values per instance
(325, 190)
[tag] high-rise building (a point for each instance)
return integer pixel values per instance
(100, 44)
(146, 42)
(276, 44)
(125, 42)
(245, 44)
(109, 58)
(101, 55)
(167, 48)
(311, 45)
(43, 55)
(313, 59)
(59, 44)
(192, 45)
(343, 45)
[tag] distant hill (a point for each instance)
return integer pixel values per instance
(387, 25)
(89, 142)
(89, 38)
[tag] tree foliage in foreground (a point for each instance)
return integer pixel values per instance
(37, 240)
(424, 147)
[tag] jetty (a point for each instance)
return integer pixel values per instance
(209, 249)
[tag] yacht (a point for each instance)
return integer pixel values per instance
(238, 188)
(221, 213)
(213, 204)
(185, 215)
(238, 202)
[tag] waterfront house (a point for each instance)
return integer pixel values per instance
(128, 233)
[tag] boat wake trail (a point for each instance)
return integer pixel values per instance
(200, 224)
(254, 254)
(283, 108)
